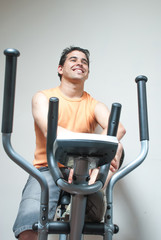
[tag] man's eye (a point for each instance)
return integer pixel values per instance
(84, 62)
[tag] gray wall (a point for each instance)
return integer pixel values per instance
(124, 38)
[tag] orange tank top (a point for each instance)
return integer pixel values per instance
(76, 115)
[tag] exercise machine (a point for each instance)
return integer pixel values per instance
(78, 151)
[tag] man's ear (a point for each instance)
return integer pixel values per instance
(60, 69)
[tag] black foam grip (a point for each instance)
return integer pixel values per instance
(52, 119)
(142, 107)
(9, 89)
(114, 119)
(51, 136)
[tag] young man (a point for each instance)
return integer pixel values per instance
(78, 112)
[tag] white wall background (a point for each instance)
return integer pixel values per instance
(124, 38)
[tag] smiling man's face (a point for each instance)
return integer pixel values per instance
(75, 66)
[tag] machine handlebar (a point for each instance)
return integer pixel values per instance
(142, 107)
(51, 136)
(9, 89)
(114, 119)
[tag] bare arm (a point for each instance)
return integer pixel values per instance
(40, 111)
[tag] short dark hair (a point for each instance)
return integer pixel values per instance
(70, 49)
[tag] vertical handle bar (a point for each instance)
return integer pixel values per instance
(114, 119)
(142, 107)
(51, 136)
(52, 120)
(9, 89)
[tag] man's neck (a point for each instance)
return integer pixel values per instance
(72, 90)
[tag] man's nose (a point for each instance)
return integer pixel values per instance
(79, 62)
